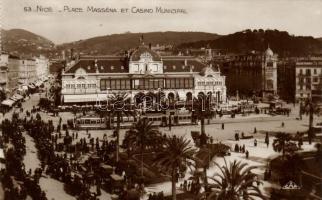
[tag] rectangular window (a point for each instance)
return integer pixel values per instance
(301, 71)
(191, 84)
(108, 83)
(118, 84)
(79, 86)
(151, 83)
(181, 85)
(141, 86)
(167, 83)
(173, 83)
(113, 84)
(127, 84)
(136, 83)
(68, 86)
(123, 82)
(146, 83)
(161, 83)
(177, 83)
(315, 71)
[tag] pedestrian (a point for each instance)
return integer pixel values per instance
(222, 126)
(283, 124)
(267, 139)
(255, 130)
(236, 148)
(255, 143)
(247, 154)
(237, 136)
(243, 149)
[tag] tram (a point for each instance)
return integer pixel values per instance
(94, 122)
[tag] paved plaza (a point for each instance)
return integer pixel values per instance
(259, 155)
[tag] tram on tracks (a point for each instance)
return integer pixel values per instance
(95, 122)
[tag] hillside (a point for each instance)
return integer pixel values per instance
(19, 41)
(110, 44)
(280, 41)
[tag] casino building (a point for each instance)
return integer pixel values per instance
(141, 72)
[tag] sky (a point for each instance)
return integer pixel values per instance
(298, 17)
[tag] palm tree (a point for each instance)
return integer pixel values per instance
(235, 181)
(212, 150)
(118, 105)
(174, 157)
(312, 109)
(202, 109)
(282, 143)
(142, 135)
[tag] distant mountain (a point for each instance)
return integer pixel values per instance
(22, 42)
(280, 42)
(115, 43)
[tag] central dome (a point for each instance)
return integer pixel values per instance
(144, 50)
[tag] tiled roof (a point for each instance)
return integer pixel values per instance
(114, 64)
(108, 65)
(178, 65)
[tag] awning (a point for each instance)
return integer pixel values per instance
(77, 98)
(8, 102)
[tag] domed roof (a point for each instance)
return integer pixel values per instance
(269, 52)
(144, 51)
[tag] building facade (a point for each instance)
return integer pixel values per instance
(42, 67)
(141, 73)
(309, 79)
(27, 71)
(252, 73)
(3, 71)
(9, 73)
(286, 79)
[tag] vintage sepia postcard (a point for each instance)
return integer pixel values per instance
(160, 99)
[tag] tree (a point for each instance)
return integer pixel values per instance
(3, 95)
(202, 109)
(312, 109)
(174, 157)
(235, 181)
(118, 107)
(205, 156)
(142, 135)
(282, 143)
